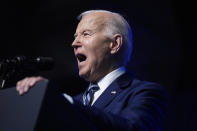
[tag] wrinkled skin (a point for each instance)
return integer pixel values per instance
(93, 49)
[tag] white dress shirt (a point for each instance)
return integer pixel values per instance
(106, 81)
(103, 83)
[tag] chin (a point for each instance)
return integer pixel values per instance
(86, 74)
(83, 75)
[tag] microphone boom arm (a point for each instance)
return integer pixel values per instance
(13, 69)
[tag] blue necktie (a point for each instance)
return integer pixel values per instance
(89, 94)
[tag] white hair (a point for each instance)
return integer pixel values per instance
(116, 24)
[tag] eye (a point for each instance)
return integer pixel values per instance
(86, 34)
(75, 35)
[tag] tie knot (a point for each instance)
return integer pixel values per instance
(93, 87)
(89, 94)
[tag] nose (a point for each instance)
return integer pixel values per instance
(76, 43)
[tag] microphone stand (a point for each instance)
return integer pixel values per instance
(8, 72)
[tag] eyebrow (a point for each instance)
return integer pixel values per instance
(83, 32)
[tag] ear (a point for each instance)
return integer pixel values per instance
(116, 43)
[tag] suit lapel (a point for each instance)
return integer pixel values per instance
(107, 96)
(113, 90)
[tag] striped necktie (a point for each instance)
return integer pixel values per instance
(89, 94)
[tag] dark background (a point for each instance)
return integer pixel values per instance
(163, 39)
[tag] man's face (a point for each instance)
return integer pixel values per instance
(91, 47)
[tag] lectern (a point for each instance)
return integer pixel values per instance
(20, 113)
(43, 108)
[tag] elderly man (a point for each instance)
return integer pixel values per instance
(103, 46)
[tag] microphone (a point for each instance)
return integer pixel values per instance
(12, 69)
(23, 63)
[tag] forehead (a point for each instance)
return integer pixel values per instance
(93, 21)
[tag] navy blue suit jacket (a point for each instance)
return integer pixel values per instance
(127, 104)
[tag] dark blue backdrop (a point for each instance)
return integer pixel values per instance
(161, 41)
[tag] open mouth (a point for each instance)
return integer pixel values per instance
(81, 57)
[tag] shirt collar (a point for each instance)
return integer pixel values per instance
(109, 78)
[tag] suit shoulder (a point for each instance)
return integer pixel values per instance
(141, 85)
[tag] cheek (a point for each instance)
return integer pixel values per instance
(97, 50)
(102, 52)
(98, 57)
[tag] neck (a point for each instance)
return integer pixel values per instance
(103, 73)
